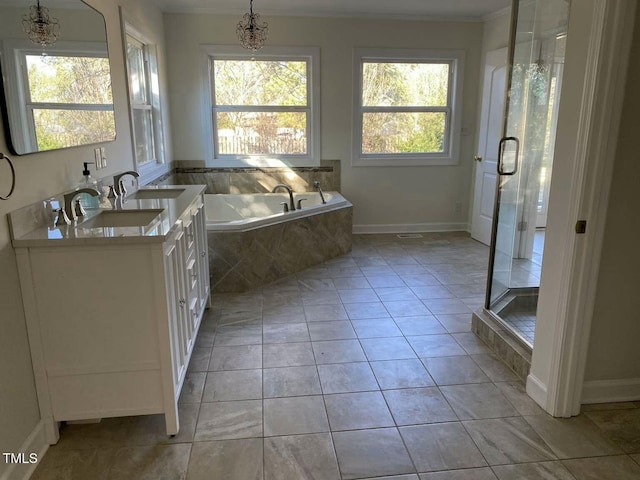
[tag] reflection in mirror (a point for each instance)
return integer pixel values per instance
(59, 95)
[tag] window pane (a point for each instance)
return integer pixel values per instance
(257, 82)
(400, 132)
(405, 84)
(64, 79)
(135, 65)
(143, 131)
(66, 128)
(254, 133)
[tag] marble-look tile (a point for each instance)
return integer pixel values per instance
(238, 335)
(239, 357)
(284, 314)
(572, 437)
(508, 440)
(294, 415)
(358, 295)
(395, 348)
(412, 476)
(533, 471)
(412, 269)
(324, 313)
(360, 311)
(428, 292)
(229, 420)
(228, 460)
(412, 406)
(392, 374)
(233, 385)
(438, 306)
(636, 458)
(471, 343)
(63, 464)
(333, 330)
(344, 283)
(347, 377)
(285, 333)
(389, 294)
(466, 474)
(435, 346)
(192, 387)
(151, 462)
(456, 323)
(517, 395)
(288, 355)
(478, 401)
(200, 359)
(423, 280)
(291, 381)
(421, 325)
(603, 468)
(385, 281)
(151, 429)
(621, 426)
(338, 351)
(430, 447)
(495, 369)
(316, 285)
(377, 270)
(372, 328)
(376, 452)
(596, 407)
(300, 457)
(406, 308)
(356, 411)
(454, 370)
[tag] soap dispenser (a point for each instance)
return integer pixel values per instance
(87, 181)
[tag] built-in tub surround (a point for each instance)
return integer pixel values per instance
(258, 179)
(253, 242)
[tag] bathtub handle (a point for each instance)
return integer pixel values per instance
(285, 206)
(300, 203)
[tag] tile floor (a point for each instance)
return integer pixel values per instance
(363, 367)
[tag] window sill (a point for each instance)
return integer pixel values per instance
(404, 162)
(149, 172)
(261, 162)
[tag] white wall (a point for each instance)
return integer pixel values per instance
(614, 347)
(398, 196)
(39, 176)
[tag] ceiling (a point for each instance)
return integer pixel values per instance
(440, 9)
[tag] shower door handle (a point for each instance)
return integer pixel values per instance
(501, 145)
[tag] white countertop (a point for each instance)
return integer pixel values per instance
(46, 234)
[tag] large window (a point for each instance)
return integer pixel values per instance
(407, 107)
(264, 105)
(144, 101)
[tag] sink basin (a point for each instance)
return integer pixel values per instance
(157, 193)
(121, 218)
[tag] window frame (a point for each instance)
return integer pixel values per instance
(310, 55)
(20, 106)
(151, 169)
(453, 109)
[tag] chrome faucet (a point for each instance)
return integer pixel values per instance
(118, 186)
(68, 201)
(292, 205)
(316, 185)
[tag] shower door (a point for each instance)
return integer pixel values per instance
(536, 57)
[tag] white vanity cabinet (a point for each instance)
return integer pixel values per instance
(112, 322)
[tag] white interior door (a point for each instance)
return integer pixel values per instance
(491, 125)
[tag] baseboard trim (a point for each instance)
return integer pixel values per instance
(36, 442)
(537, 390)
(411, 228)
(610, 391)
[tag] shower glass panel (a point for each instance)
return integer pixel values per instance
(538, 36)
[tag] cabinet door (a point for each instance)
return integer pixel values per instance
(202, 255)
(177, 299)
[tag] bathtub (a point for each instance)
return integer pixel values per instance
(253, 242)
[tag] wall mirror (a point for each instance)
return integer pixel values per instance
(54, 95)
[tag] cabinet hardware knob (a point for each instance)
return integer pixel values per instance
(477, 158)
(182, 302)
(203, 253)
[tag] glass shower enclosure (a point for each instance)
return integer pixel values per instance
(525, 161)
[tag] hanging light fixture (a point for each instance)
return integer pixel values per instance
(40, 27)
(251, 33)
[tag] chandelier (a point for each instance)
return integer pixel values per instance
(39, 26)
(251, 33)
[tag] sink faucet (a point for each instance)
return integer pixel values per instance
(292, 206)
(68, 200)
(117, 182)
(316, 185)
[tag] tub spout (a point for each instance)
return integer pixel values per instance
(316, 185)
(292, 205)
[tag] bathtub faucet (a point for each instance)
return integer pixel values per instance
(292, 206)
(316, 185)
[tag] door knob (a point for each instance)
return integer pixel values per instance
(477, 158)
